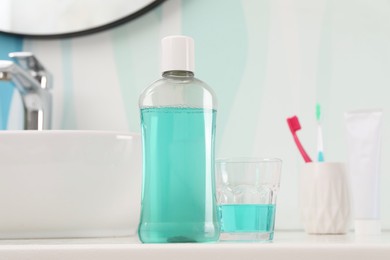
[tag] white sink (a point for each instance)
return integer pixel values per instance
(69, 184)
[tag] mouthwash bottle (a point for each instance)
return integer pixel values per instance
(178, 114)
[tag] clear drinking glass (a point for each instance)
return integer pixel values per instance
(246, 196)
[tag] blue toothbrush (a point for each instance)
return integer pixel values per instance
(320, 145)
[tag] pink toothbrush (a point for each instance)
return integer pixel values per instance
(294, 126)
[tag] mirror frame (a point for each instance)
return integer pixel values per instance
(92, 30)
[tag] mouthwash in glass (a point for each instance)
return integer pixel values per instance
(178, 117)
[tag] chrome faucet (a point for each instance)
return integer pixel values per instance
(34, 84)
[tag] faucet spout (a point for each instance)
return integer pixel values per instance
(34, 84)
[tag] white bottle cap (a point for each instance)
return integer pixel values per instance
(177, 53)
(368, 227)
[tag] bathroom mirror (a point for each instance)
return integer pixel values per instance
(55, 19)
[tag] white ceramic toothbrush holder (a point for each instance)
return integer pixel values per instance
(324, 197)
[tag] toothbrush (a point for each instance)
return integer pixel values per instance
(294, 126)
(320, 144)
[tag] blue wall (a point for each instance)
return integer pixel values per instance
(8, 44)
(266, 60)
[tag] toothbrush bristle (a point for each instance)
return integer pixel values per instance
(293, 123)
(320, 156)
(318, 112)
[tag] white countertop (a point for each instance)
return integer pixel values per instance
(286, 245)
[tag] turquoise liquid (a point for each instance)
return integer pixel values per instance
(247, 217)
(178, 196)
